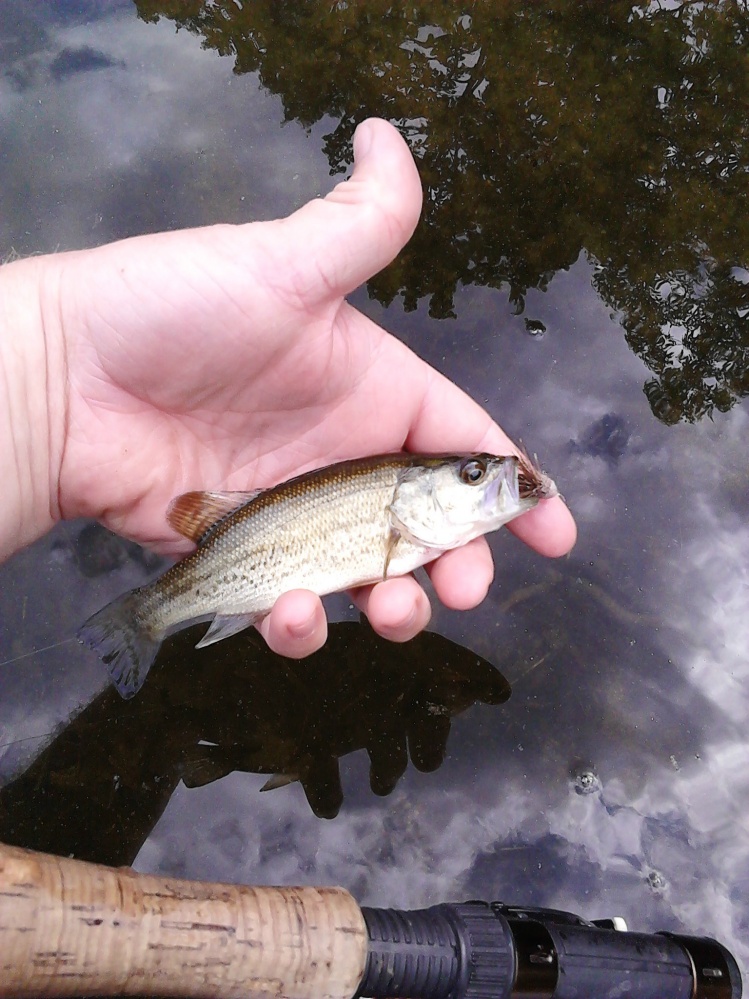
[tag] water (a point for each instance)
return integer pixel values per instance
(581, 270)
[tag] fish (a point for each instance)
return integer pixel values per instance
(345, 525)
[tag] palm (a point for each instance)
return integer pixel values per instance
(229, 402)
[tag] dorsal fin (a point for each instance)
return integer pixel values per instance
(194, 514)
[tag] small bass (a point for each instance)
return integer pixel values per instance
(352, 523)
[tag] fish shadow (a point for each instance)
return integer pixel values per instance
(96, 791)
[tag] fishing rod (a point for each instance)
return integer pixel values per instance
(71, 928)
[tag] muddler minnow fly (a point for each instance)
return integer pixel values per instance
(352, 523)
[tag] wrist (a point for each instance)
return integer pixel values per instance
(32, 401)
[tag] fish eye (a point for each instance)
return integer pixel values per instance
(473, 471)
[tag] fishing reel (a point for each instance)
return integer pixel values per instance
(480, 950)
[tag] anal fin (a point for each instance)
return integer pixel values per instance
(224, 625)
(279, 780)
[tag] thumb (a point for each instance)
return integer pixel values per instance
(364, 222)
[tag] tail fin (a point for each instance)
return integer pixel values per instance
(116, 635)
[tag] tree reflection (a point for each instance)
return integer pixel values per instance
(543, 131)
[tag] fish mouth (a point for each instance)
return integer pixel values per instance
(504, 489)
(519, 481)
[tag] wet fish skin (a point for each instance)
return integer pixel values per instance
(345, 525)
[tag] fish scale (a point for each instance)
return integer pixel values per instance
(331, 532)
(346, 525)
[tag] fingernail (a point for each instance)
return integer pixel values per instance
(303, 630)
(409, 621)
(403, 626)
(362, 141)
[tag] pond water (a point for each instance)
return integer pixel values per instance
(581, 270)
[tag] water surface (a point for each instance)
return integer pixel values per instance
(581, 270)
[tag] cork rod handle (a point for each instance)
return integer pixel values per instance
(69, 928)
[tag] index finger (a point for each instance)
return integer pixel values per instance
(449, 420)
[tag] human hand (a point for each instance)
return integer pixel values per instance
(228, 358)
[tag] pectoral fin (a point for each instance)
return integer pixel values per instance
(392, 543)
(224, 625)
(399, 529)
